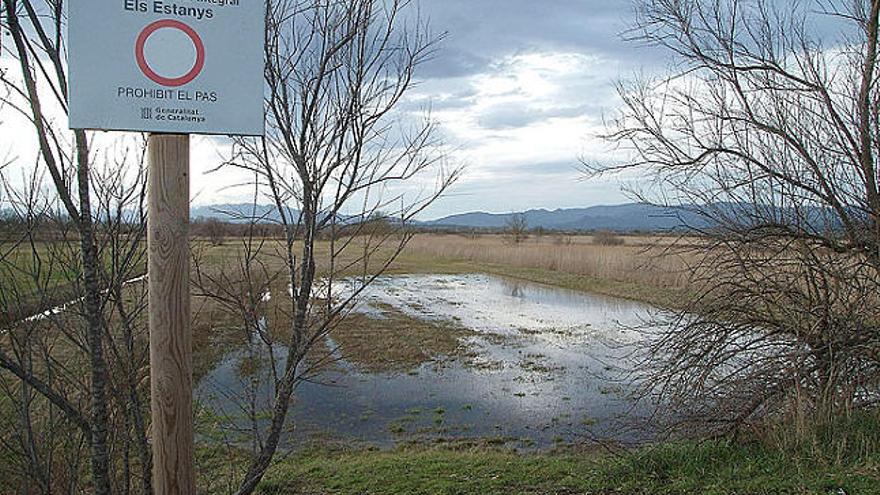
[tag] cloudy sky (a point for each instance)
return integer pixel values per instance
(520, 88)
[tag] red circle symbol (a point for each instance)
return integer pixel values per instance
(149, 72)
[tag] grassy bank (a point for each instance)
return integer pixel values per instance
(817, 465)
(710, 468)
(664, 297)
(643, 269)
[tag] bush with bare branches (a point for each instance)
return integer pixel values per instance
(81, 231)
(335, 145)
(516, 229)
(607, 238)
(769, 132)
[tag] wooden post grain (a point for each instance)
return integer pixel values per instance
(170, 332)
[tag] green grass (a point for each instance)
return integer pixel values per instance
(815, 465)
(711, 468)
(37, 277)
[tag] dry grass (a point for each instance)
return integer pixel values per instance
(649, 261)
(399, 342)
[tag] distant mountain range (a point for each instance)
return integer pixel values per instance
(624, 218)
(621, 218)
(240, 213)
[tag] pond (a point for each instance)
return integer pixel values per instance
(543, 368)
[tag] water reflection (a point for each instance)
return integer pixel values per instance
(542, 370)
(514, 288)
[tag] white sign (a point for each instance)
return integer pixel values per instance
(176, 66)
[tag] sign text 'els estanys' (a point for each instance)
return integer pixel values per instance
(184, 66)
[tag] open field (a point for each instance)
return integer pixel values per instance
(644, 268)
(39, 276)
(402, 346)
(641, 269)
(647, 269)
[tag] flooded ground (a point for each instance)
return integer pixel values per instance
(540, 367)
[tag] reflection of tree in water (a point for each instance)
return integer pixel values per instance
(514, 288)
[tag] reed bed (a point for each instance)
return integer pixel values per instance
(651, 261)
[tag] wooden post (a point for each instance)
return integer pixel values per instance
(170, 332)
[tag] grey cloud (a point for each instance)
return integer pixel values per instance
(511, 116)
(481, 31)
(508, 117)
(569, 168)
(454, 62)
(482, 35)
(524, 188)
(458, 99)
(436, 97)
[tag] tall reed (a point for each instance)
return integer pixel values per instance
(643, 260)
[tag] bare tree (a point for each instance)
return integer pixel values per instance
(336, 149)
(773, 136)
(516, 229)
(81, 243)
(214, 229)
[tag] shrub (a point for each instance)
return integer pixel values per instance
(607, 238)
